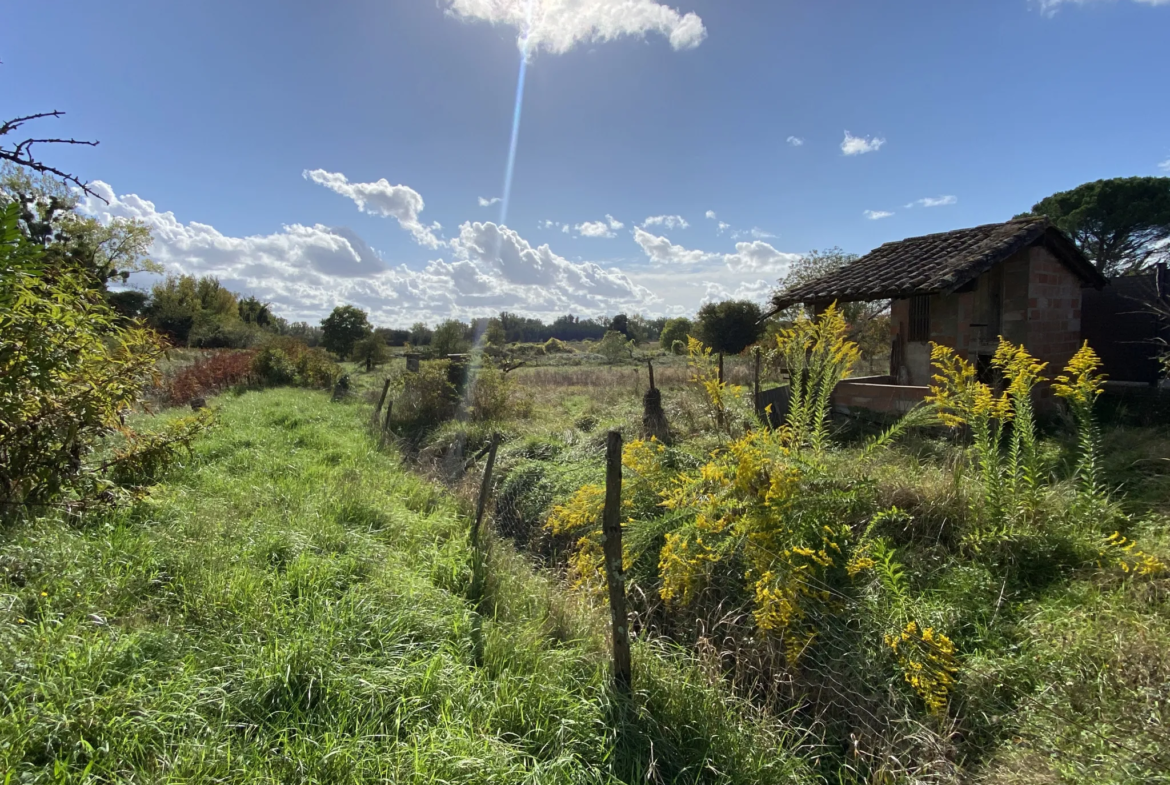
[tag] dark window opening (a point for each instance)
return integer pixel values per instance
(919, 318)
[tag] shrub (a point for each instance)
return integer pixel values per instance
(489, 393)
(674, 334)
(274, 367)
(426, 399)
(70, 368)
(615, 346)
(215, 372)
(555, 346)
(289, 361)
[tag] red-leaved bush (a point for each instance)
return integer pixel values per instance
(214, 373)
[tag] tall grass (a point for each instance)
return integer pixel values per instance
(289, 606)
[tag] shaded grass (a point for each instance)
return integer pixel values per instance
(289, 607)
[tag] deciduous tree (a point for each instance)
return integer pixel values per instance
(343, 328)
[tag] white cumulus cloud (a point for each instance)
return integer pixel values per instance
(1050, 7)
(606, 228)
(795, 141)
(381, 198)
(669, 221)
(556, 26)
(758, 257)
(1165, 165)
(859, 145)
(754, 257)
(755, 232)
(876, 215)
(935, 201)
(305, 271)
(594, 229)
(711, 214)
(486, 202)
(660, 250)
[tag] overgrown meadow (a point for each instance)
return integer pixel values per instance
(976, 591)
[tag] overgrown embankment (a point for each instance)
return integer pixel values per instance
(288, 606)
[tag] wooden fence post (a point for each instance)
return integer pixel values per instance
(756, 382)
(485, 489)
(611, 528)
(386, 423)
(382, 401)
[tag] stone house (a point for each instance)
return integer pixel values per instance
(1021, 279)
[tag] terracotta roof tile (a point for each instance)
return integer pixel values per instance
(937, 263)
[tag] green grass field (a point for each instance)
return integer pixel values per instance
(289, 606)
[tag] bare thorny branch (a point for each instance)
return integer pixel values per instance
(21, 153)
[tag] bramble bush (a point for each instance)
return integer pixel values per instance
(287, 361)
(71, 369)
(216, 371)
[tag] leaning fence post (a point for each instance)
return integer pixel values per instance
(756, 381)
(382, 400)
(386, 422)
(611, 528)
(485, 489)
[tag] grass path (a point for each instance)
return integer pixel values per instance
(289, 607)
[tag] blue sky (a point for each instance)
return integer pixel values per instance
(254, 136)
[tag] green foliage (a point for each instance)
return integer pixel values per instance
(553, 346)
(426, 399)
(615, 347)
(494, 335)
(70, 369)
(420, 334)
(729, 327)
(343, 328)
(489, 393)
(47, 216)
(450, 337)
(201, 313)
(675, 333)
(372, 351)
(1121, 224)
(817, 356)
(287, 361)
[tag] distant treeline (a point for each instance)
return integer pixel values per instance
(202, 313)
(524, 329)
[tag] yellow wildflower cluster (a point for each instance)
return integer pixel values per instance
(779, 610)
(961, 399)
(1124, 553)
(683, 563)
(928, 663)
(1080, 384)
(817, 354)
(581, 513)
(858, 564)
(705, 373)
(1021, 370)
(644, 458)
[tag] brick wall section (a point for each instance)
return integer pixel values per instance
(1054, 311)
